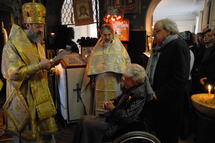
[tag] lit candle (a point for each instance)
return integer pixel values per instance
(213, 93)
(209, 89)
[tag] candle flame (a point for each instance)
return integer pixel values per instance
(209, 87)
(209, 90)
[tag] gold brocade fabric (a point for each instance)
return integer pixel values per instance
(21, 69)
(107, 88)
(1, 84)
(33, 12)
(110, 58)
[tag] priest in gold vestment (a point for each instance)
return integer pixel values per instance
(29, 103)
(107, 63)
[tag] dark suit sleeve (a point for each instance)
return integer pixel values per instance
(206, 67)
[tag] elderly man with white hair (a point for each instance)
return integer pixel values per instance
(123, 110)
(168, 72)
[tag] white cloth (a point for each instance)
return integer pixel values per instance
(192, 58)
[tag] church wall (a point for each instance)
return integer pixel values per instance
(10, 12)
(205, 16)
(212, 15)
(53, 17)
(208, 17)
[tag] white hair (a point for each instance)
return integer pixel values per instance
(169, 25)
(136, 72)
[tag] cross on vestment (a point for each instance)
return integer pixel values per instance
(78, 89)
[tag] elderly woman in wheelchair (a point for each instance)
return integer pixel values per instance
(123, 122)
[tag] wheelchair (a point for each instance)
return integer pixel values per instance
(136, 137)
(135, 133)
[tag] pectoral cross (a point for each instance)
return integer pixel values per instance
(78, 89)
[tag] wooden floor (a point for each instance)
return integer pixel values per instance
(66, 134)
(6, 138)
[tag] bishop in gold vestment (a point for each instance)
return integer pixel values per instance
(24, 66)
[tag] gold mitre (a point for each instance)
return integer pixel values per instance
(33, 12)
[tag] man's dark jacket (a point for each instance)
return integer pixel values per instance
(207, 66)
(171, 73)
(169, 83)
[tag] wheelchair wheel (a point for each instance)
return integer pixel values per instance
(136, 137)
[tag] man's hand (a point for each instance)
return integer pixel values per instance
(101, 42)
(46, 64)
(203, 81)
(60, 55)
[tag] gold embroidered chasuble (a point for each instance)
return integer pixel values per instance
(21, 68)
(1, 84)
(107, 64)
(112, 57)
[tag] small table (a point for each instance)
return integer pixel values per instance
(204, 105)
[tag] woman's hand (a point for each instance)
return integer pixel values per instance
(108, 105)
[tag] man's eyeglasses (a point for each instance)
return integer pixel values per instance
(156, 31)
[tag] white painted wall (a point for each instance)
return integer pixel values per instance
(183, 12)
(189, 26)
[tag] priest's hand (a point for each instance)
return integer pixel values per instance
(101, 42)
(92, 81)
(93, 84)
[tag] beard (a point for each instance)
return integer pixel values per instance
(106, 44)
(35, 37)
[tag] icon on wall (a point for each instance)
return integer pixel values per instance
(83, 12)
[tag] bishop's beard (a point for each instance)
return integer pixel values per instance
(35, 37)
